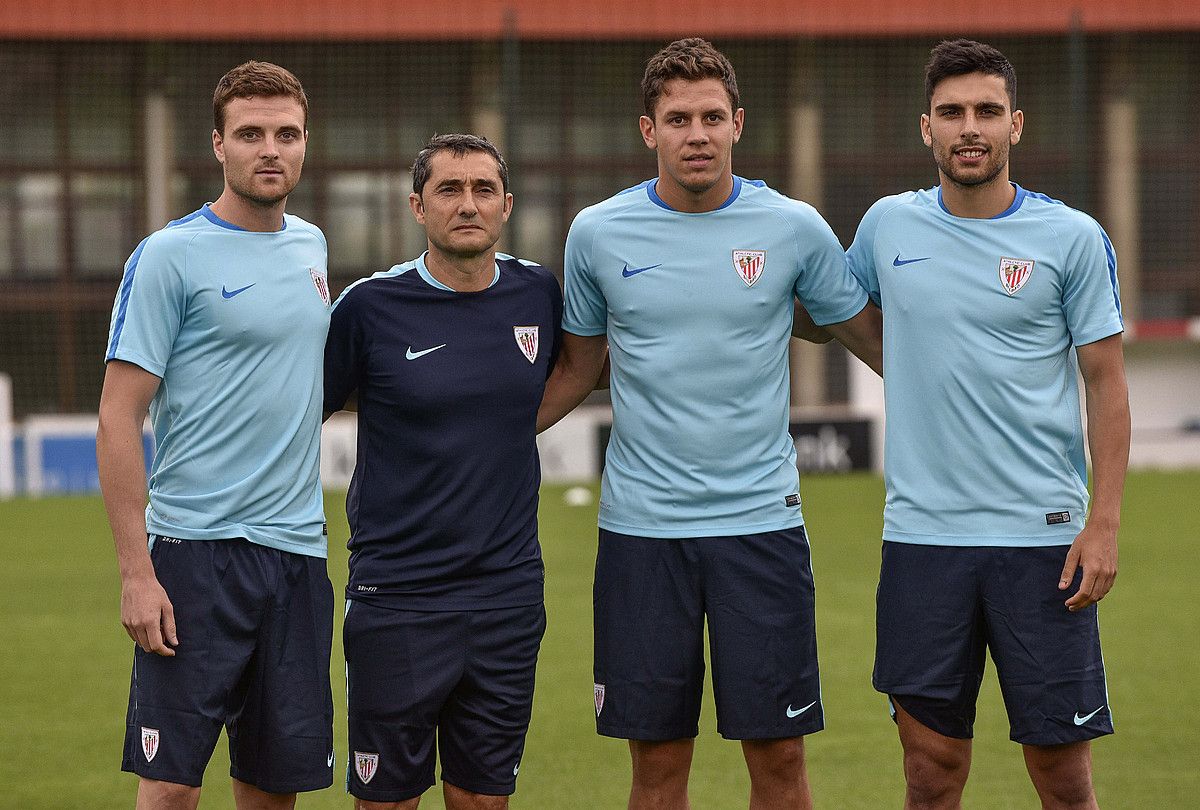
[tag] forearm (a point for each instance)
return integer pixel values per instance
(122, 468)
(577, 370)
(804, 328)
(566, 388)
(1108, 442)
(863, 336)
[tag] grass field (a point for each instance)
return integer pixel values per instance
(64, 667)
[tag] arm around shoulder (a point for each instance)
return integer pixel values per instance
(576, 373)
(863, 336)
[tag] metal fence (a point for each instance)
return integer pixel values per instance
(103, 142)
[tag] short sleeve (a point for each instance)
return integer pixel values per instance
(585, 311)
(1091, 296)
(824, 285)
(344, 349)
(860, 258)
(150, 305)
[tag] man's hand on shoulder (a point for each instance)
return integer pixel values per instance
(1095, 550)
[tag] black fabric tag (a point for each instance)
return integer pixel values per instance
(1057, 517)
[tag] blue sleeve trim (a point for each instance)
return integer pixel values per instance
(1111, 255)
(123, 303)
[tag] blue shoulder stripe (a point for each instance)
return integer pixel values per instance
(1111, 255)
(123, 303)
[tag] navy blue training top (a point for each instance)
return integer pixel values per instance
(443, 501)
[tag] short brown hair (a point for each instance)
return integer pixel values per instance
(692, 59)
(958, 57)
(256, 79)
(457, 145)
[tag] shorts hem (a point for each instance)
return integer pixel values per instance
(482, 788)
(286, 788)
(773, 733)
(398, 795)
(173, 778)
(648, 734)
(1080, 735)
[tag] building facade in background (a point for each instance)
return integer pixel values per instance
(103, 134)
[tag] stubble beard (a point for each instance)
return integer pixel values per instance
(247, 193)
(991, 170)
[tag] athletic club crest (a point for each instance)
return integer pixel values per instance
(1014, 273)
(749, 265)
(598, 694)
(149, 743)
(527, 341)
(321, 282)
(366, 765)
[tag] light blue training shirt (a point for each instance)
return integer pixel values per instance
(234, 323)
(984, 442)
(698, 312)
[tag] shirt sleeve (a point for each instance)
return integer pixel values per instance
(824, 285)
(860, 258)
(149, 308)
(585, 311)
(345, 347)
(1091, 296)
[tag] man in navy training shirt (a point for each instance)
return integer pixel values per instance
(446, 357)
(994, 299)
(691, 279)
(218, 330)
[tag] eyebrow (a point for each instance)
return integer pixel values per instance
(714, 111)
(981, 105)
(456, 182)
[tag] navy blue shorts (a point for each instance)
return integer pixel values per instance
(940, 607)
(651, 598)
(255, 627)
(456, 684)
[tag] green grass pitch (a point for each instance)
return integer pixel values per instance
(64, 667)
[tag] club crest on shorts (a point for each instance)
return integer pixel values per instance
(149, 743)
(321, 282)
(365, 765)
(527, 341)
(1014, 273)
(749, 265)
(598, 694)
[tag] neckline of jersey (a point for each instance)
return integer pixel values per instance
(657, 200)
(211, 216)
(423, 272)
(1012, 209)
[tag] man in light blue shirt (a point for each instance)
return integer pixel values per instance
(218, 330)
(691, 277)
(993, 298)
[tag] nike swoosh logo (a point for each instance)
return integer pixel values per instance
(516, 768)
(625, 271)
(411, 355)
(231, 293)
(797, 712)
(1079, 721)
(898, 262)
(329, 760)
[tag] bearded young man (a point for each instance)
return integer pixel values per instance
(218, 331)
(993, 297)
